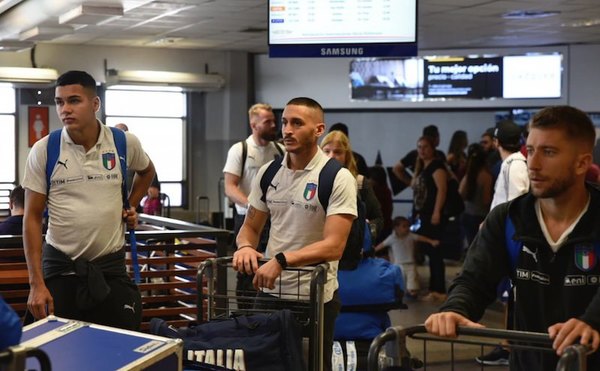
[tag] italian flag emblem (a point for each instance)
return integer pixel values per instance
(585, 258)
(309, 191)
(109, 160)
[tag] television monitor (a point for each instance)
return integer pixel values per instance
(342, 28)
(387, 79)
(460, 77)
(532, 76)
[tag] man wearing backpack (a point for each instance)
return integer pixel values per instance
(302, 231)
(243, 161)
(83, 259)
(546, 241)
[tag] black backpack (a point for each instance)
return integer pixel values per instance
(352, 253)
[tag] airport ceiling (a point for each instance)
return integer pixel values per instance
(242, 24)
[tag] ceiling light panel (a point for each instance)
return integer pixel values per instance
(44, 33)
(90, 14)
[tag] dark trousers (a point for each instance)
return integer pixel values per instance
(437, 267)
(331, 311)
(471, 224)
(122, 307)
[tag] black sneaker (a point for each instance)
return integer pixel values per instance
(497, 357)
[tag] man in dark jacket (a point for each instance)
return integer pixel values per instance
(16, 203)
(555, 247)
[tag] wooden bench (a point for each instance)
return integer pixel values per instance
(14, 280)
(168, 275)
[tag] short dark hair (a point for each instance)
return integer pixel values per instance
(431, 131)
(17, 196)
(574, 122)
(399, 220)
(306, 102)
(339, 126)
(77, 78)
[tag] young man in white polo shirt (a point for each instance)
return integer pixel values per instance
(83, 260)
(302, 233)
(243, 161)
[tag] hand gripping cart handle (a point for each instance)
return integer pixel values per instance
(394, 340)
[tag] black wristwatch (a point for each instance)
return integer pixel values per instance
(281, 260)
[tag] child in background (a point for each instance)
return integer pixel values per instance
(402, 251)
(152, 205)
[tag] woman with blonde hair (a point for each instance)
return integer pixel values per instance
(337, 145)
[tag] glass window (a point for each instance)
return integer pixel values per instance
(145, 103)
(8, 150)
(8, 147)
(157, 118)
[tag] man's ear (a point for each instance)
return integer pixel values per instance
(96, 103)
(320, 129)
(583, 163)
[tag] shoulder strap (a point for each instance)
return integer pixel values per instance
(52, 154)
(278, 148)
(268, 176)
(244, 155)
(121, 145)
(326, 179)
(512, 245)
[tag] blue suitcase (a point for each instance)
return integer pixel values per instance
(75, 345)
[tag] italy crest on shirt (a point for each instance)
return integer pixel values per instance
(585, 258)
(109, 160)
(309, 191)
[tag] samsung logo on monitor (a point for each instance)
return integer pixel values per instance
(338, 52)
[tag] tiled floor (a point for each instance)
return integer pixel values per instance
(439, 355)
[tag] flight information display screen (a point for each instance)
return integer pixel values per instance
(342, 28)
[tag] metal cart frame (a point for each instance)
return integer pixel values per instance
(394, 341)
(216, 300)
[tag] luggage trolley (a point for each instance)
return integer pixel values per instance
(389, 350)
(218, 300)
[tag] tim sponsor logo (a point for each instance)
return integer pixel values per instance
(232, 359)
(522, 274)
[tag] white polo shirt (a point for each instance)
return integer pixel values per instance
(85, 203)
(256, 157)
(297, 217)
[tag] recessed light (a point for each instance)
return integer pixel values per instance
(530, 14)
(584, 23)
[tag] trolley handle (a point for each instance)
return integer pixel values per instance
(15, 357)
(399, 334)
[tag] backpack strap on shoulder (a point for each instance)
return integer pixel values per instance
(278, 148)
(244, 155)
(326, 179)
(121, 145)
(513, 246)
(268, 176)
(52, 154)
